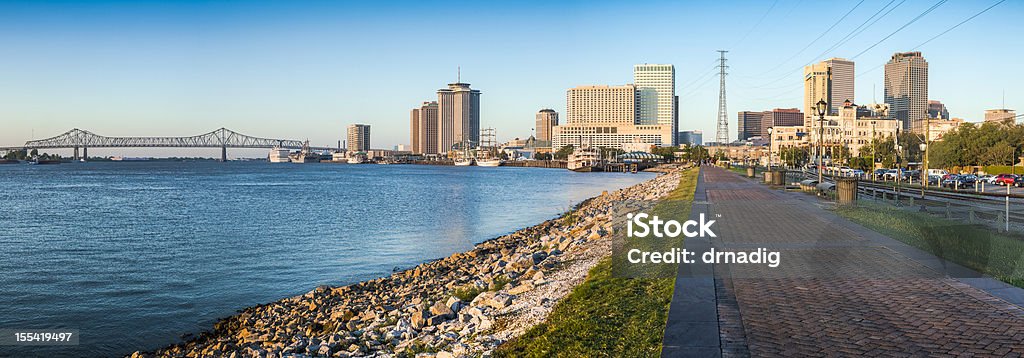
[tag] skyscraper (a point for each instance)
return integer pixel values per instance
(748, 124)
(937, 110)
(458, 116)
(424, 128)
(358, 137)
(656, 86)
(781, 117)
(606, 116)
(546, 119)
(906, 89)
(830, 80)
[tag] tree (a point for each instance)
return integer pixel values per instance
(542, 156)
(563, 152)
(669, 153)
(794, 156)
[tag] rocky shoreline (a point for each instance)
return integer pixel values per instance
(466, 304)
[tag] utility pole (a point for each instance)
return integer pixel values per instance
(722, 136)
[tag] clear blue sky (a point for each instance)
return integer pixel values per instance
(306, 69)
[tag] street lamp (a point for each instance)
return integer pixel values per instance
(873, 151)
(820, 107)
(924, 170)
(769, 148)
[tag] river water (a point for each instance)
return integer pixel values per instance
(134, 254)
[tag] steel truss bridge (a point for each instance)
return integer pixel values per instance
(221, 138)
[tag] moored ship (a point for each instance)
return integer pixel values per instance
(279, 155)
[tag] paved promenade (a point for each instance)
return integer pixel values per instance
(842, 289)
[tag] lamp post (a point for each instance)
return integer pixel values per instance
(924, 170)
(821, 107)
(769, 148)
(873, 151)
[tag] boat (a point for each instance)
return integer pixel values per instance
(585, 159)
(357, 158)
(339, 157)
(464, 162)
(304, 155)
(279, 155)
(487, 153)
(37, 161)
(493, 162)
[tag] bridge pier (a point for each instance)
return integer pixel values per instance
(224, 154)
(85, 153)
(76, 153)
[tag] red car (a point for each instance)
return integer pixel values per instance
(1004, 179)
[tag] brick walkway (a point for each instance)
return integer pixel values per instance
(842, 289)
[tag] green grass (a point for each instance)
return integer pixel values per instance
(609, 315)
(998, 255)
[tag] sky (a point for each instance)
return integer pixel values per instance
(307, 69)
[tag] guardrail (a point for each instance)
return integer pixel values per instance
(1003, 212)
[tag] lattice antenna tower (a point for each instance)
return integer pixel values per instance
(722, 136)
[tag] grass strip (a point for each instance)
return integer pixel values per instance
(606, 315)
(973, 246)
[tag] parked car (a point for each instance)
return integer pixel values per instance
(960, 181)
(934, 179)
(879, 173)
(912, 175)
(890, 174)
(1019, 182)
(939, 172)
(856, 173)
(1004, 179)
(987, 179)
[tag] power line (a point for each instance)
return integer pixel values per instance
(834, 24)
(958, 25)
(923, 14)
(765, 15)
(849, 36)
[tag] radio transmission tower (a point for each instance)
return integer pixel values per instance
(722, 136)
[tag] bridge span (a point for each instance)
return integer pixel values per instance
(220, 138)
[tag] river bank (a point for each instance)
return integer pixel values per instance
(466, 304)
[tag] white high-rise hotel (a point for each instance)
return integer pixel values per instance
(656, 85)
(609, 116)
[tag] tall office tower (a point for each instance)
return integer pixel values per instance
(546, 119)
(414, 131)
(748, 124)
(694, 137)
(937, 110)
(656, 85)
(424, 128)
(906, 89)
(458, 116)
(830, 80)
(359, 137)
(781, 117)
(1002, 115)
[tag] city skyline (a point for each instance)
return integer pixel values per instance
(178, 69)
